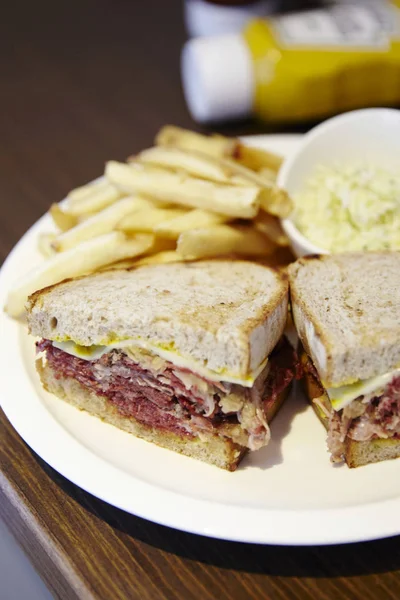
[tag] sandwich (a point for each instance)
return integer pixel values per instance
(346, 309)
(189, 356)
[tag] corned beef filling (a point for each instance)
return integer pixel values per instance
(364, 419)
(160, 395)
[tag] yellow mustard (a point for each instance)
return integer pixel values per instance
(318, 63)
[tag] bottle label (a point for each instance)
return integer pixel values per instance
(366, 24)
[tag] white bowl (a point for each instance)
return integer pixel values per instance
(369, 135)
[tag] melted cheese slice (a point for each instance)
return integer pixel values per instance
(342, 396)
(96, 352)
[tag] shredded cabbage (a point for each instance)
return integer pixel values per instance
(350, 208)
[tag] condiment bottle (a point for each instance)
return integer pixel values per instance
(297, 66)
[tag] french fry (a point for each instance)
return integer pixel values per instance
(218, 146)
(257, 166)
(268, 174)
(193, 163)
(102, 222)
(257, 159)
(79, 193)
(234, 201)
(148, 219)
(277, 202)
(193, 219)
(62, 219)
(128, 263)
(160, 244)
(243, 173)
(156, 254)
(85, 258)
(271, 227)
(239, 180)
(223, 239)
(97, 198)
(215, 146)
(272, 199)
(44, 244)
(160, 258)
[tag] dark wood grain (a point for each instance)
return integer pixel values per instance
(82, 82)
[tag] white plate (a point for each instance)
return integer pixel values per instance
(287, 493)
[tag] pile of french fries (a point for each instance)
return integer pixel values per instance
(189, 197)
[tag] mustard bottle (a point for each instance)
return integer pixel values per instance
(299, 66)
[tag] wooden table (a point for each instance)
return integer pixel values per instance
(82, 82)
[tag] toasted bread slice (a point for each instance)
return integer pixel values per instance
(226, 315)
(346, 309)
(218, 450)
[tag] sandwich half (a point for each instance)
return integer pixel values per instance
(346, 309)
(190, 356)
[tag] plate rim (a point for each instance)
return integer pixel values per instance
(325, 526)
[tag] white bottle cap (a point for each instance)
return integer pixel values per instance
(218, 78)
